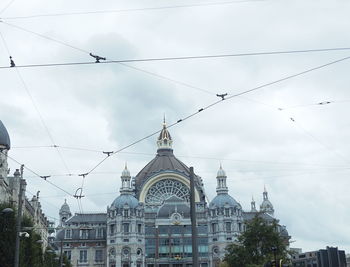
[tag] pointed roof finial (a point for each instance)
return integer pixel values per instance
(164, 123)
(253, 199)
(265, 188)
(126, 172)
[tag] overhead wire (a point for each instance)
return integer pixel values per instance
(221, 100)
(206, 56)
(36, 174)
(120, 63)
(217, 102)
(130, 9)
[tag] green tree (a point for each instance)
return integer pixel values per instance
(31, 253)
(254, 246)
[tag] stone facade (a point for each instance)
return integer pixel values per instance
(149, 224)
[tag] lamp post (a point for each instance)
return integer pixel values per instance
(19, 217)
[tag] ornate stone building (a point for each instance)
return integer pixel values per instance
(148, 224)
(10, 186)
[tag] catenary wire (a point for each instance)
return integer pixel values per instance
(131, 9)
(173, 58)
(161, 58)
(123, 64)
(214, 104)
(179, 156)
(221, 100)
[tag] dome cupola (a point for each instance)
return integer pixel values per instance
(266, 205)
(223, 199)
(164, 139)
(221, 187)
(126, 198)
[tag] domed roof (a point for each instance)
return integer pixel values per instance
(266, 205)
(4, 136)
(65, 207)
(222, 200)
(125, 199)
(164, 160)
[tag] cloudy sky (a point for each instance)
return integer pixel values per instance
(276, 136)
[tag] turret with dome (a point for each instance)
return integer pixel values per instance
(266, 206)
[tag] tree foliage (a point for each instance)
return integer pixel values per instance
(31, 252)
(254, 246)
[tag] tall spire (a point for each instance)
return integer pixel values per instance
(221, 187)
(164, 140)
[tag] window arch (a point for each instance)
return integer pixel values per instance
(165, 189)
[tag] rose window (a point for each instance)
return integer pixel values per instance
(165, 189)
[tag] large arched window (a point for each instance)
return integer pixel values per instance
(165, 189)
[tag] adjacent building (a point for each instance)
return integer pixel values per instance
(10, 186)
(149, 224)
(329, 257)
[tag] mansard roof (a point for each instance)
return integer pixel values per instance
(88, 218)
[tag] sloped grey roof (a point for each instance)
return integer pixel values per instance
(222, 200)
(164, 160)
(125, 199)
(4, 136)
(88, 217)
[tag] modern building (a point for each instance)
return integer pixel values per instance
(329, 257)
(10, 186)
(149, 224)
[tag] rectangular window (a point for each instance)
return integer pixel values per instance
(68, 233)
(139, 228)
(84, 234)
(83, 256)
(125, 228)
(227, 212)
(99, 232)
(228, 227)
(68, 254)
(99, 255)
(111, 229)
(214, 227)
